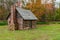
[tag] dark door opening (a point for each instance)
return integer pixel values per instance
(30, 24)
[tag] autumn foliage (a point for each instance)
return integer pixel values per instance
(37, 8)
(42, 11)
(2, 13)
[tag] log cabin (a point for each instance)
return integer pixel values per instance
(19, 19)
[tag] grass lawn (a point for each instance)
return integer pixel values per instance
(42, 32)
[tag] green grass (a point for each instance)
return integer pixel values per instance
(41, 32)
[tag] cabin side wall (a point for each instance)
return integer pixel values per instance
(34, 24)
(27, 24)
(20, 21)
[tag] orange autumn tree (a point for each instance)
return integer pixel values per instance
(44, 11)
(37, 8)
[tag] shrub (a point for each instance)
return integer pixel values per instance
(42, 23)
(2, 23)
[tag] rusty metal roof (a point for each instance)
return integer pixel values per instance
(26, 14)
